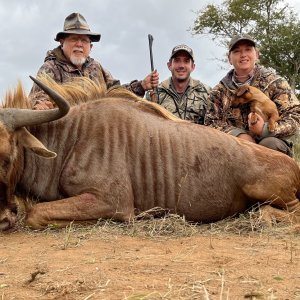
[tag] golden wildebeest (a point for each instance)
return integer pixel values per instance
(120, 155)
(260, 103)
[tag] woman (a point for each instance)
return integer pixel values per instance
(243, 56)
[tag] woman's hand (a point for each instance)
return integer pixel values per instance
(256, 127)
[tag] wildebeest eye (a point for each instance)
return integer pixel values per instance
(5, 162)
(3, 189)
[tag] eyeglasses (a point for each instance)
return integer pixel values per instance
(83, 40)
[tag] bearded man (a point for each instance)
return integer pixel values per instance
(71, 59)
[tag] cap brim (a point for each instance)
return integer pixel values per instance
(94, 37)
(173, 54)
(243, 40)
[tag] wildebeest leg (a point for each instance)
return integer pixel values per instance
(84, 207)
(284, 199)
(270, 214)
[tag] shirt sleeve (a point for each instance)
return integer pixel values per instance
(215, 115)
(288, 107)
(36, 94)
(134, 86)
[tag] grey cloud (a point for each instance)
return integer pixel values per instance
(29, 27)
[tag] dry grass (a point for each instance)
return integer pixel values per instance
(157, 225)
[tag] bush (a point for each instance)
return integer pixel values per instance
(296, 147)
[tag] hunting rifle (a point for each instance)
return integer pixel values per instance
(150, 38)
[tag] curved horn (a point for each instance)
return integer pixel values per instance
(15, 118)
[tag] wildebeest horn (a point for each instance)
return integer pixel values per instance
(15, 118)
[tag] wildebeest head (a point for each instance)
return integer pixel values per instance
(13, 138)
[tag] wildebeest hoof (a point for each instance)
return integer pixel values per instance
(8, 221)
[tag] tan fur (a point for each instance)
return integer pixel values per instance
(121, 155)
(16, 98)
(259, 103)
(81, 90)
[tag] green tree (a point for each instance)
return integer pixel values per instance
(273, 23)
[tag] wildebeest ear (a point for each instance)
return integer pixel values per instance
(242, 90)
(27, 140)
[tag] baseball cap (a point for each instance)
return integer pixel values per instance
(240, 37)
(182, 47)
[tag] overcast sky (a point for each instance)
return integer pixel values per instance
(28, 28)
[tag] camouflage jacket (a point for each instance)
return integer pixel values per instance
(191, 105)
(234, 120)
(61, 70)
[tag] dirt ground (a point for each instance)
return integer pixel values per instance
(161, 261)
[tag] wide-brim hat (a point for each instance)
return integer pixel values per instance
(182, 47)
(75, 23)
(241, 37)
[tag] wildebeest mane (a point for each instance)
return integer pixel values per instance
(81, 90)
(16, 98)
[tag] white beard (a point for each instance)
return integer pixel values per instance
(77, 61)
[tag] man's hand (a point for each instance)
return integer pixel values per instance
(153, 96)
(257, 128)
(42, 105)
(151, 81)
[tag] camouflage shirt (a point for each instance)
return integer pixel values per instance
(235, 120)
(58, 67)
(190, 105)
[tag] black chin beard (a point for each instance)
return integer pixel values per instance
(181, 80)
